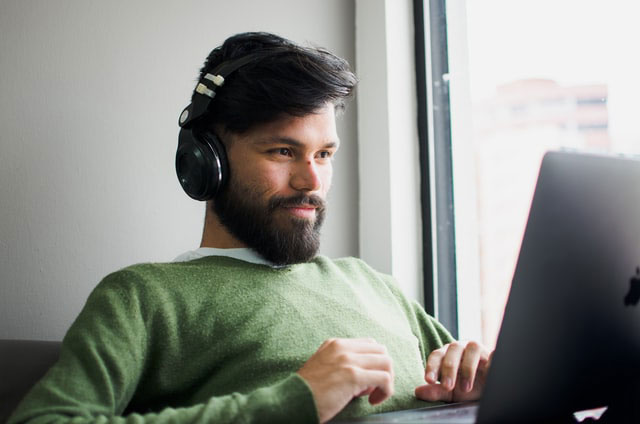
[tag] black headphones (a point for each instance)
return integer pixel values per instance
(201, 161)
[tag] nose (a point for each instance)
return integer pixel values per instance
(306, 176)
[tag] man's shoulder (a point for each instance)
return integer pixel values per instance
(177, 273)
(345, 262)
(352, 264)
(134, 278)
(143, 271)
(188, 266)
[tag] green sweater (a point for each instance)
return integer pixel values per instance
(220, 340)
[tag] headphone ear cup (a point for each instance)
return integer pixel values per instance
(221, 163)
(201, 164)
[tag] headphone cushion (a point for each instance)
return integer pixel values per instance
(201, 164)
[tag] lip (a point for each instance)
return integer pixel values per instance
(302, 211)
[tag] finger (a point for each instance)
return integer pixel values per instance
(469, 363)
(432, 369)
(366, 392)
(483, 366)
(372, 382)
(450, 364)
(433, 393)
(375, 371)
(382, 381)
(379, 396)
(362, 345)
(366, 371)
(349, 361)
(371, 361)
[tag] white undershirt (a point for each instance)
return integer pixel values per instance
(242, 253)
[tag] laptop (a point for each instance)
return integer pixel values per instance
(570, 336)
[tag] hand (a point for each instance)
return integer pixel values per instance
(456, 372)
(342, 369)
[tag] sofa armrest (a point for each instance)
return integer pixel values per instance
(22, 364)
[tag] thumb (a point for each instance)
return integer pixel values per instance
(433, 393)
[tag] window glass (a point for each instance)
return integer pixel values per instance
(542, 74)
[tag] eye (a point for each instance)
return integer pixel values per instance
(282, 151)
(325, 154)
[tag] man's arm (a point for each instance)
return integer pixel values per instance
(287, 401)
(107, 360)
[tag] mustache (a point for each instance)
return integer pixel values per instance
(297, 200)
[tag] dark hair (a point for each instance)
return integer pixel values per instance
(295, 80)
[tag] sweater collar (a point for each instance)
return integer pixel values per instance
(244, 254)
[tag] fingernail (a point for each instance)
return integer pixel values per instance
(466, 385)
(448, 383)
(431, 376)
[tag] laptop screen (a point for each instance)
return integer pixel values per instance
(570, 337)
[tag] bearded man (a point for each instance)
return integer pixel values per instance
(255, 326)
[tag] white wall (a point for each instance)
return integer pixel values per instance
(90, 96)
(390, 220)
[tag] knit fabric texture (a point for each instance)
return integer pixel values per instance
(220, 340)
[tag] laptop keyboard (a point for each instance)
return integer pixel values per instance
(448, 414)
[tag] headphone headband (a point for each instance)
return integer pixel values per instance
(210, 82)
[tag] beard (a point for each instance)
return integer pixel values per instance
(283, 239)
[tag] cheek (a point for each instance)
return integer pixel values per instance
(270, 180)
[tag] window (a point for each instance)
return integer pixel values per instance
(523, 77)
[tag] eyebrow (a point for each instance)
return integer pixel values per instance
(294, 143)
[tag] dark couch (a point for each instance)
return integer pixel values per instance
(22, 364)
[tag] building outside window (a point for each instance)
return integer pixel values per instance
(525, 77)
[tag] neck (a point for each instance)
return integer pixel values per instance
(215, 234)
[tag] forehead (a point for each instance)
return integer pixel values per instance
(318, 127)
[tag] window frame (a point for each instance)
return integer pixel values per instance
(436, 166)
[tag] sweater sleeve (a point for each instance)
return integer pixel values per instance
(431, 333)
(105, 355)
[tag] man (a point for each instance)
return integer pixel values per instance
(253, 326)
